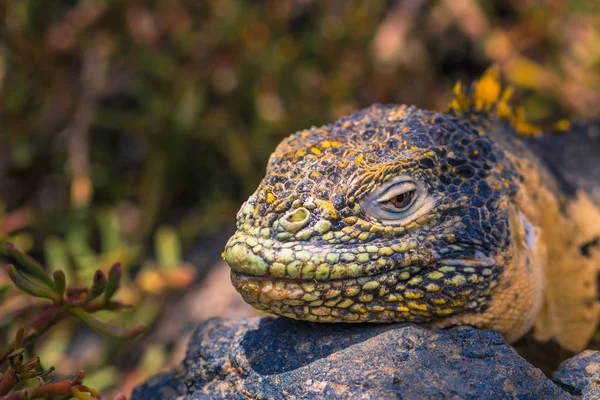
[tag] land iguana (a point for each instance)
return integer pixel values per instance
(470, 216)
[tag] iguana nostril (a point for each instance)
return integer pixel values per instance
(295, 220)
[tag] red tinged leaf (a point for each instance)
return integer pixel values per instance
(114, 278)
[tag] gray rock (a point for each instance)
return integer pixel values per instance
(265, 358)
(580, 375)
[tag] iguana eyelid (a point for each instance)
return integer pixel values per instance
(376, 204)
(396, 190)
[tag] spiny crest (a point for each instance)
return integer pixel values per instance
(487, 97)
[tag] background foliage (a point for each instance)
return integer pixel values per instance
(131, 130)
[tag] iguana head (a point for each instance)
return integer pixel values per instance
(390, 214)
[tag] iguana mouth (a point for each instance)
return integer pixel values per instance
(410, 293)
(256, 256)
(260, 257)
(322, 283)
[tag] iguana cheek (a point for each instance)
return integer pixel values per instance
(517, 299)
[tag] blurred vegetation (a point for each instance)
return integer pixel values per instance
(131, 130)
(66, 300)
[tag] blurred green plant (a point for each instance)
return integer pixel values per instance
(168, 271)
(73, 259)
(66, 300)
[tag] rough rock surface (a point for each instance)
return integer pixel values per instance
(580, 375)
(280, 358)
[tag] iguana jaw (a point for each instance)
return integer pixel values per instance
(423, 289)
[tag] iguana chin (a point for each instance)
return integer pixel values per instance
(466, 217)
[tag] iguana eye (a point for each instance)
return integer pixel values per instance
(403, 200)
(395, 201)
(399, 199)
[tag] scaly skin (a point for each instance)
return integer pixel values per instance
(312, 243)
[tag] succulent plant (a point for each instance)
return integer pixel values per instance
(62, 301)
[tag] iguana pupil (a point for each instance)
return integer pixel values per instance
(401, 201)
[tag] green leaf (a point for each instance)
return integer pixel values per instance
(55, 253)
(168, 248)
(105, 328)
(99, 285)
(109, 229)
(29, 264)
(114, 278)
(60, 281)
(82, 255)
(30, 287)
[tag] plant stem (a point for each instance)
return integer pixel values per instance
(48, 318)
(51, 316)
(62, 388)
(8, 382)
